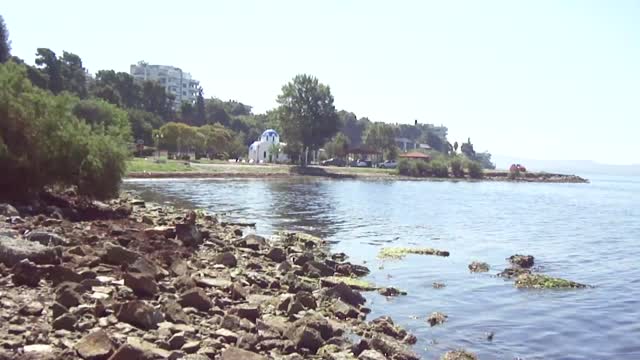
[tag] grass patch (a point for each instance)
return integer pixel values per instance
(149, 165)
(537, 281)
(400, 253)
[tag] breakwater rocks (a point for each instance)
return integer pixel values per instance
(129, 280)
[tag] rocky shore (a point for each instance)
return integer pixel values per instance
(128, 280)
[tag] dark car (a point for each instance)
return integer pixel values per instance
(333, 162)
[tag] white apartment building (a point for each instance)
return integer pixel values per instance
(175, 81)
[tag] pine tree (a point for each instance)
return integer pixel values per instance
(5, 44)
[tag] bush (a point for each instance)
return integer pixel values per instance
(440, 169)
(457, 168)
(417, 168)
(43, 142)
(475, 170)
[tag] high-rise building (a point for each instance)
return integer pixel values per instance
(175, 81)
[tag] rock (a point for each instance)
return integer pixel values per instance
(317, 269)
(277, 254)
(246, 311)
(513, 272)
(344, 311)
(8, 210)
(391, 348)
(14, 249)
(391, 291)
(538, 281)
(306, 299)
(305, 337)
(352, 270)
(95, 346)
(118, 255)
(252, 241)
(47, 238)
(191, 347)
(58, 309)
(128, 352)
(234, 353)
(371, 355)
(67, 296)
(139, 314)
(173, 312)
(168, 232)
(26, 273)
(41, 351)
(343, 292)
(179, 267)
(477, 266)
(248, 341)
(188, 234)
(16, 329)
(227, 259)
(196, 298)
(436, 318)
(176, 341)
(523, 261)
(207, 282)
(60, 273)
(65, 322)
(438, 285)
(145, 266)
(459, 355)
(141, 284)
(33, 308)
(147, 220)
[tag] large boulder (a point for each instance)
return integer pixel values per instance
(138, 313)
(173, 312)
(345, 293)
(118, 255)
(234, 353)
(14, 249)
(252, 241)
(309, 332)
(196, 298)
(26, 273)
(392, 348)
(47, 238)
(523, 261)
(188, 234)
(8, 210)
(95, 346)
(227, 259)
(141, 284)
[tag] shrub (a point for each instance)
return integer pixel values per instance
(475, 170)
(417, 168)
(42, 141)
(457, 168)
(439, 169)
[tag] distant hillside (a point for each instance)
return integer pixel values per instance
(578, 167)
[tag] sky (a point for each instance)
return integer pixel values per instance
(539, 79)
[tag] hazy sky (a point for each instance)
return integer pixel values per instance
(537, 79)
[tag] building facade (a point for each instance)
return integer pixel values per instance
(263, 150)
(176, 82)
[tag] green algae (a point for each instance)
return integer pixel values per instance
(538, 281)
(399, 253)
(459, 355)
(352, 282)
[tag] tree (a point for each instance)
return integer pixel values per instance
(307, 115)
(5, 44)
(455, 146)
(274, 152)
(187, 113)
(381, 137)
(156, 100)
(142, 125)
(50, 67)
(217, 139)
(467, 149)
(178, 137)
(74, 77)
(200, 113)
(338, 146)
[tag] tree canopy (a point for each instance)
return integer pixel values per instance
(306, 113)
(5, 44)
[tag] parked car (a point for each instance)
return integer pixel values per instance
(361, 163)
(333, 162)
(388, 164)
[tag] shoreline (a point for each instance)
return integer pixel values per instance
(332, 173)
(130, 279)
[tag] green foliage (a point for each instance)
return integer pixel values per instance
(539, 281)
(381, 136)
(306, 114)
(338, 146)
(216, 139)
(5, 44)
(104, 118)
(475, 170)
(457, 167)
(439, 168)
(42, 141)
(200, 116)
(414, 167)
(397, 253)
(142, 125)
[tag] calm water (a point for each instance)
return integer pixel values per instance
(584, 232)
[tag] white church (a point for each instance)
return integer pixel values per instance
(261, 151)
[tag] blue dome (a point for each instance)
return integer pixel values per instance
(270, 132)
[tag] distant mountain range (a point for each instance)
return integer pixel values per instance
(577, 167)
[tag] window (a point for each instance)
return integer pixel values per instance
(184, 93)
(265, 155)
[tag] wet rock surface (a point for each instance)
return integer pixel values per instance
(134, 280)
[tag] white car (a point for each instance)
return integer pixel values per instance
(388, 164)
